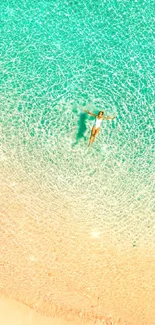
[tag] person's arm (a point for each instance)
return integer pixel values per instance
(92, 114)
(108, 117)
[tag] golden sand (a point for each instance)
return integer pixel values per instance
(65, 271)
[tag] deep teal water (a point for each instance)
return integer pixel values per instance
(58, 57)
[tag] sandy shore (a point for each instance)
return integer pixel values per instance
(66, 269)
(15, 313)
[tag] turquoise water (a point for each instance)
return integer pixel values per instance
(60, 57)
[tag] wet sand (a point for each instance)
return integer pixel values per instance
(62, 269)
(15, 313)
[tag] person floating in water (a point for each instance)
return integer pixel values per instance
(97, 123)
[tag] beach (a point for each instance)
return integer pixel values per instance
(76, 223)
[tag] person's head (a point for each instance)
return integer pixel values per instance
(100, 114)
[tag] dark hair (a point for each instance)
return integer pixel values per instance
(100, 112)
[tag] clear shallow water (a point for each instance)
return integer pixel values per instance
(78, 223)
(58, 58)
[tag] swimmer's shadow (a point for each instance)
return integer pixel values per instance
(81, 128)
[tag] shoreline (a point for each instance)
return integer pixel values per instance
(56, 260)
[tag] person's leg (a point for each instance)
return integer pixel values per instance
(92, 135)
(95, 134)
